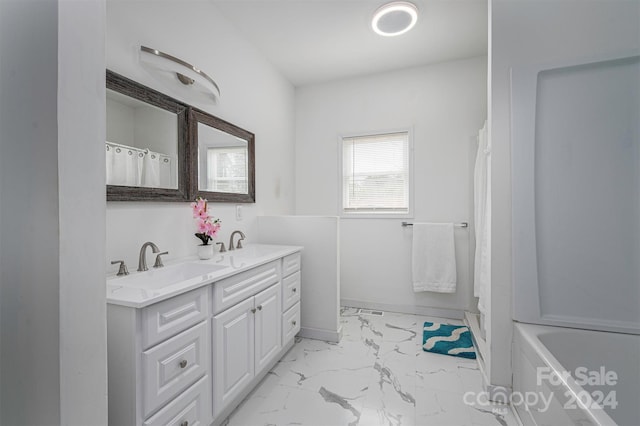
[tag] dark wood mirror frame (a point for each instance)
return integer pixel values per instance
(197, 116)
(135, 90)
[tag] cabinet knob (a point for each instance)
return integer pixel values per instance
(183, 363)
(294, 323)
(295, 290)
(253, 310)
(259, 307)
(185, 423)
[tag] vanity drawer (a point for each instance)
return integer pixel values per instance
(291, 264)
(172, 366)
(290, 323)
(233, 290)
(189, 407)
(165, 319)
(290, 290)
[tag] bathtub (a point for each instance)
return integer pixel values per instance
(564, 376)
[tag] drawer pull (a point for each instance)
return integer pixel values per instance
(185, 423)
(294, 290)
(293, 323)
(183, 363)
(253, 310)
(259, 307)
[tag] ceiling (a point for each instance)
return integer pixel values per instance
(312, 41)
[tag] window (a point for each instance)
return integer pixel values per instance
(227, 171)
(376, 175)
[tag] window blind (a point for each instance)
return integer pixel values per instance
(376, 173)
(227, 169)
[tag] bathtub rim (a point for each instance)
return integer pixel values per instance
(535, 349)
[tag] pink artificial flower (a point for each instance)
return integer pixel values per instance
(207, 226)
(203, 226)
(208, 229)
(199, 208)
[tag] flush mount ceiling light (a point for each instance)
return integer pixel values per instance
(394, 18)
(186, 73)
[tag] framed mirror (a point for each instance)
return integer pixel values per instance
(146, 152)
(221, 159)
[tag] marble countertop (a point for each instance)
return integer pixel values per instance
(137, 290)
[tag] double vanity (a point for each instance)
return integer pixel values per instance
(188, 341)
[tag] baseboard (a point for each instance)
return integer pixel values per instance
(501, 394)
(521, 419)
(405, 309)
(473, 323)
(483, 372)
(320, 334)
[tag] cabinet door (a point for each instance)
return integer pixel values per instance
(233, 353)
(268, 325)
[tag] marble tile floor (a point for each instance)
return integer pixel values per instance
(377, 375)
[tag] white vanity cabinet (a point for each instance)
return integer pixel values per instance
(190, 358)
(291, 297)
(159, 362)
(246, 338)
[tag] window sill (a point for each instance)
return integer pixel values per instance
(344, 215)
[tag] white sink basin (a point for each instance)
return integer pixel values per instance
(141, 289)
(253, 251)
(168, 275)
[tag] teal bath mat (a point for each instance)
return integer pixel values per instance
(454, 340)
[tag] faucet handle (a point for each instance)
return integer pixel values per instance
(239, 245)
(123, 268)
(159, 263)
(222, 247)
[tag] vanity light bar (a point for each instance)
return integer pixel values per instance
(186, 80)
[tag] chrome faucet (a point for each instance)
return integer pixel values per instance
(142, 260)
(239, 246)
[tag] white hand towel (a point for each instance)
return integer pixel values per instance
(433, 258)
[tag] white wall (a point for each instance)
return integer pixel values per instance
(535, 32)
(320, 272)
(82, 193)
(445, 105)
(254, 96)
(29, 270)
(144, 126)
(154, 132)
(120, 123)
(52, 298)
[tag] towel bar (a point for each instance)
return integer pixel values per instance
(457, 225)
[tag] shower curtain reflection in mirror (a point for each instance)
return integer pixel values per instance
(141, 147)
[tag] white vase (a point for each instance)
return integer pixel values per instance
(205, 251)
